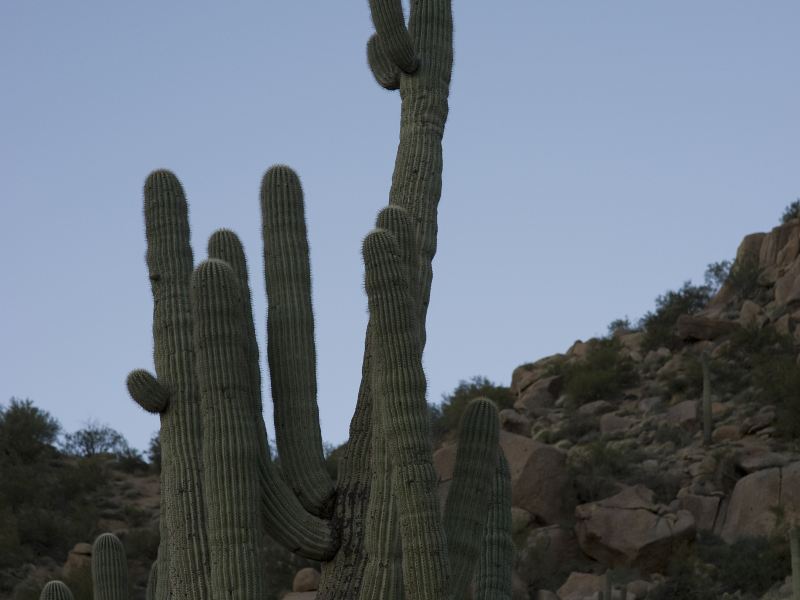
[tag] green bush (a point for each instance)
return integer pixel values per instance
(791, 212)
(659, 326)
(767, 360)
(599, 470)
(27, 433)
(446, 417)
(744, 275)
(601, 375)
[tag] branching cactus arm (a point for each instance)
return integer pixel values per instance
(290, 340)
(170, 263)
(399, 382)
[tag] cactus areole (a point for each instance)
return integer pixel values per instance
(378, 529)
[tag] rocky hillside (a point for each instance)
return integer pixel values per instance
(611, 475)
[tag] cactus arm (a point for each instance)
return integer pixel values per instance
(493, 578)
(471, 490)
(380, 63)
(387, 16)
(170, 263)
(109, 568)
(383, 567)
(230, 454)
(56, 590)
(290, 340)
(147, 392)
(399, 382)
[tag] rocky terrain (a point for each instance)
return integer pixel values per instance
(610, 473)
(614, 486)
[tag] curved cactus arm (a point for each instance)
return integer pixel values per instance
(380, 63)
(170, 263)
(471, 490)
(290, 340)
(390, 25)
(493, 578)
(230, 450)
(56, 590)
(109, 568)
(147, 392)
(399, 382)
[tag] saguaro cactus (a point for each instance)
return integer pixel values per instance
(377, 529)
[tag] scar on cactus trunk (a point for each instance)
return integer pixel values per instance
(377, 530)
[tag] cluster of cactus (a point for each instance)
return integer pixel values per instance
(378, 530)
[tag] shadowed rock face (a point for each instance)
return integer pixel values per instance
(759, 498)
(628, 529)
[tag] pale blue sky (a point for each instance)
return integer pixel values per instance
(597, 154)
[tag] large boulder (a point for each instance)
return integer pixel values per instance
(695, 328)
(630, 530)
(580, 586)
(539, 395)
(79, 559)
(540, 482)
(306, 580)
(759, 499)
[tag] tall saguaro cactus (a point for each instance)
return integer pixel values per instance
(378, 529)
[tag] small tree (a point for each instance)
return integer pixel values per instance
(791, 212)
(25, 431)
(95, 438)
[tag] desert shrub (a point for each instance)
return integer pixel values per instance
(130, 460)
(716, 275)
(672, 433)
(154, 452)
(791, 212)
(622, 324)
(600, 468)
(333, 455)
(751, 565)
(446, 417)
(26, 432)
(602, 374)
(767, 360)
(80, 583)
(659, 325)
(744, 275)
(95, 438)
(141, 543)
(577, 428)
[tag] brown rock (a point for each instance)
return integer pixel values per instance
(684, 414)
(771, 249)
(306, 580)
(580, 586)
(611, 423)
(513, 422)
(693, 328)
(78, 559)
(539, 395)
(751, 314)
(756, 500)
(726, 433)
(758, 461)
(628, 529)
(704, 509)
(594, 408)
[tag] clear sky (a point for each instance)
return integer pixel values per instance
(597, 154)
